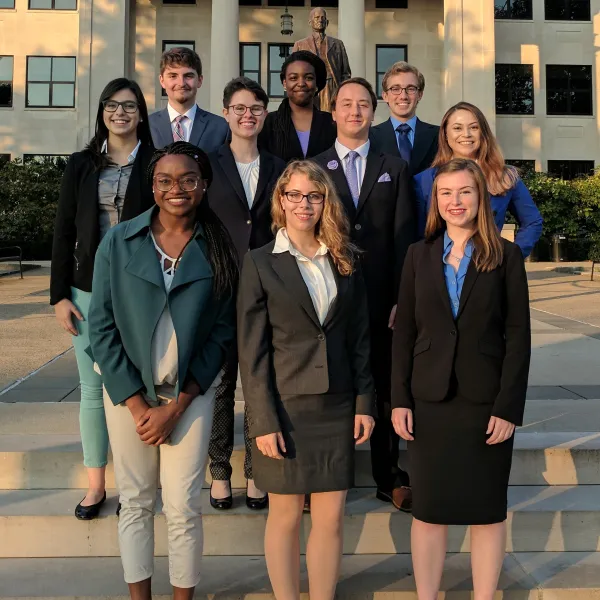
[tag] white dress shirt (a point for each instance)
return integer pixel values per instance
(361, 161)
(316, 272)
(249, 173)
(187, 124)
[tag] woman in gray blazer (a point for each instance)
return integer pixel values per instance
(303, 336)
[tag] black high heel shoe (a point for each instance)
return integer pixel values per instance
(256, 503)
(87, 513)
(221, 503)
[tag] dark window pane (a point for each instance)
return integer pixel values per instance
(325, 3)
(568, 10)
(285, 3)
(179, 1)
(39, 68)
(250, 2)
(254, 75)
(391, 3)
(569, 89)
(63, 69)
(65, 4)
(386, 56)
(7, 3)
(5, 93)
(513, 9)
(6, 68)
(514, 89)
(176, 44)
(63, 94)
(581, 103)
(275, 86)
(251, 57)
(38, 94)
(40, 4)
(524, 165)
(570, 169)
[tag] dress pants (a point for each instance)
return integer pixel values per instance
(384, 440)
(220, 448)
(182, 463)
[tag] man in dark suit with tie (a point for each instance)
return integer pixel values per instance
(182, 119)
(403, 134)
(374, 188)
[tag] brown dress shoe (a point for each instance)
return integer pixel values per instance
(402, 499)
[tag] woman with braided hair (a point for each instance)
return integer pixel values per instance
(298, 130)
(161, 321)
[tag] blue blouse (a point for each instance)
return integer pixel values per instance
(517, 201)
(455, 279)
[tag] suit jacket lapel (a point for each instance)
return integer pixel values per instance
(227, 162)
(469, 282)
(372, 172)
(437, 269)
(164, 127)
(423, 139)
(198, 127)
(286, 267)
(390, 141)
(264, 176)
(144, 262)
(87, 213)
(315, 134)
(341, 183)
(342, 286)
(193, 266)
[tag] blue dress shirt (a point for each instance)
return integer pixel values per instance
(455, 279)
(411, 134)
(517, 201)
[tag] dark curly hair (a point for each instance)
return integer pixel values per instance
(221, 251)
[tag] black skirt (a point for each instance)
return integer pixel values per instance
(457, 479)
(319, 437)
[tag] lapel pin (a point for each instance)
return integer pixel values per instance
(332, 165)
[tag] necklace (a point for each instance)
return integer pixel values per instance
(456, 258)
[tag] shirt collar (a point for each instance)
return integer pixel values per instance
(283, 244)
(412, 123)
(190, 114)
(448, 243)
(343, 151)
(130, 158)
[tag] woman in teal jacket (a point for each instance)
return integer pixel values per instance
(161, 320)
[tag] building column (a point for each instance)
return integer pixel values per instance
(351, 30)
(470, 55)
(224, 49)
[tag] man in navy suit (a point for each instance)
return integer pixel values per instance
(183, 120)
(403, 134)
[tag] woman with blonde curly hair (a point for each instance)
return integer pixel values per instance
(303, 335)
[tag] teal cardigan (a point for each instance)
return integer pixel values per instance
(128, 298)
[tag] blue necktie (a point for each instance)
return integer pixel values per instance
(404, 145)
(352, 176)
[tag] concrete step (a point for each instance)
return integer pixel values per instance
(39, 523)
(525, 576)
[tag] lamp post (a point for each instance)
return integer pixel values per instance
(287, 28)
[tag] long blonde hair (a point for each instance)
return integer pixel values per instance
(488, 252)
(333, 228)
(499, 176)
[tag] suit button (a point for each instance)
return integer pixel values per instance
(453, 332)
(358, 227)
(321, 337)
(248, 222)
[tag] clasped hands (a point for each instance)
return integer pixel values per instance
(273, 444)
(498, 429)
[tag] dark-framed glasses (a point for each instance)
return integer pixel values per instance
(129, 106)
(396, 90)
(240, 109)
(187, 183)
(297, 197)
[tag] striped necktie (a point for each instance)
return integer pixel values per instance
(178, 133)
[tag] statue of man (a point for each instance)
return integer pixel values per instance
(331, 51)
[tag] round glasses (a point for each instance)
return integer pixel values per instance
(240, 109)
(112, 106)
(297, 197)
(187, 183)
(396, 90)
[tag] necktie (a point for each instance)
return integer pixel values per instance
(178, 133)
(352, 176)
(404, 145)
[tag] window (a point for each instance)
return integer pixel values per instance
(277, 54)
(179, 1)
(570, 169)
(6, 80)
(391, 3)
(569, 89)
(250, 60)
(50, 81)
(513, 9)
(514, 89)
(386, 56)
(285, 3)
(524, 165)
(568, 10)
(250, 2)
(52, 4)
(325, 3)
(59, 159)
(4, 158)
(168, 44)
(7, 4)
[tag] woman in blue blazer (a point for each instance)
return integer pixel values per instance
(161, 322)
(465, 133)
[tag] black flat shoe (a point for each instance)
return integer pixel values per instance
(384, 495)
(87, 513)
(221, 503)
(257, 503)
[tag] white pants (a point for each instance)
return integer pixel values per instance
(182, 467)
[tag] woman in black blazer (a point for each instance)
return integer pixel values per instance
(101, 186)
(461, 352)
(303, 339)
(297, 129)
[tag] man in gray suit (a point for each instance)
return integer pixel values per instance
(183, 120)
(331, 51)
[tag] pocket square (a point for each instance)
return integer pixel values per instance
(384, 178)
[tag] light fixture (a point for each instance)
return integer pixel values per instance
(287, 22)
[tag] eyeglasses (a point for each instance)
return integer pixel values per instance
(187, 183)
(240, 109)
(297, 197)
(411, 90)
(128, 106)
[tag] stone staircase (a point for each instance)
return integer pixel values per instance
(554, 519)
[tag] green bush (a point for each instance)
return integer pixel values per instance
(28, 199)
